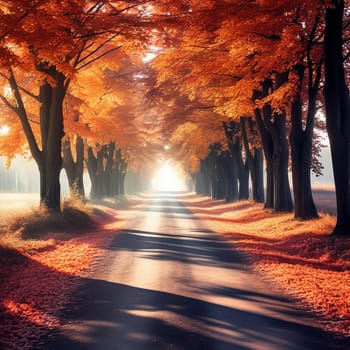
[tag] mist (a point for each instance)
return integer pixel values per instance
(23, 176)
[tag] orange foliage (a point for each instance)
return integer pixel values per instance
(210, 55)
(71, 37)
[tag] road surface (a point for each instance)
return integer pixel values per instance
(169, 283)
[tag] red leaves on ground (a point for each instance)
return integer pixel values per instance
(301, 257)
(37, 284)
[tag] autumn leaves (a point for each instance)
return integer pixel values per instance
(74, 71)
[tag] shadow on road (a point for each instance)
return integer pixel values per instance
(187, 248)
(117, 316)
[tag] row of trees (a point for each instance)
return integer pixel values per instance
(68, 72)
(230, 81)
(279, 67)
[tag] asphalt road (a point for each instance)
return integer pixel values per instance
(169, 283)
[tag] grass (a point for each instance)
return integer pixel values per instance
(29, 229)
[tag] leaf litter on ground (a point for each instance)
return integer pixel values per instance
(301, 257)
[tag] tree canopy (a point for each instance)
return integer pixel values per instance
(141, 75)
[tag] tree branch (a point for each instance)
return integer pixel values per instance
(98, 57)
(8, 104)
(82, 59)
(23, 117)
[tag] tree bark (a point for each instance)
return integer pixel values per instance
(108, 170)
(243, 177)
(283, 198)
(92, 169)
(51, 112)
(213, 166)
(74, 168)
(96, 172)
(255, 163)
(100, 173)
(221, 185)
(275, 124)
(120, 169)
(301, 151)
(232, 179)
(337, 105)
(267, 143)
(259, 175)
(48, 157)
(239, 170)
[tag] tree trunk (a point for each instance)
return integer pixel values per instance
(120, 169)
(96, 172)
(301, 151)
(239, 182)
(222, 171)
(100, 173)
(52, 143)
(259, 175)
(275, 125)
(92, 169)
(48, 158)
(254, 161)
(232, 179)
(74, 169)
(68, 164)
(267, 143)
(338, 114)
(243, 177)
(109, 179)
(214, 180)
(283, 198)
(43, 181)
(79, 182)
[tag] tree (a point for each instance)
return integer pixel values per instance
(239, 167)
(74, 168)
(50, 43)
(337, 104)
(254, 156)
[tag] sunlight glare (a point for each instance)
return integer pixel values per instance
(168, 178)
(148, 57)
(4, 130)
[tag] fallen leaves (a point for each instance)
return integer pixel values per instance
(300, 257)
(38, 278)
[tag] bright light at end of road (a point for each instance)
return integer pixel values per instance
(4, 130)
(168, 178)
